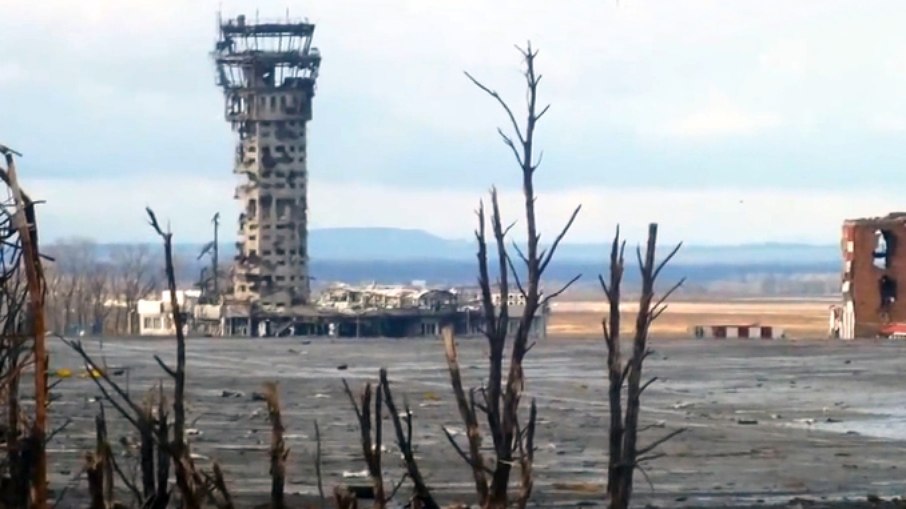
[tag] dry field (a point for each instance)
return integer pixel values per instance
(798, 318)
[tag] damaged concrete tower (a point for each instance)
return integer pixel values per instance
(874, 257)
(268, 73)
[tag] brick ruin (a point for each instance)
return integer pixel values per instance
(874, 254)
(267, 72)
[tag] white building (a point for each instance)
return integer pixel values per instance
(156, 316)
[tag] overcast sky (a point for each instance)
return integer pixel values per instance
(725, 121)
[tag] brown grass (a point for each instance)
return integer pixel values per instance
(798, 318)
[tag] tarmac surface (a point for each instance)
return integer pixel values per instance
(766, 421)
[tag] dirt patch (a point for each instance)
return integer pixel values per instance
(799, 319)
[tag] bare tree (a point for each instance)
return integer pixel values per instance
(501, 400)
(370, 427)
(98, 283)
(135, 275)
(187, 476)
(278, 450)
(71, 294)
(194, 485)
(422, 496)
(625, 454)
(22, 318)
(92, 292)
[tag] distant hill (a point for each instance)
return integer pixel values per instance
(394, 244)
(365, 245)
(393, 255)
(387, 244)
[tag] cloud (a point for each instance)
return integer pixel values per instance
(889, 122)
(12, 73)
(649, 100)
(721, 117)
(786, 56)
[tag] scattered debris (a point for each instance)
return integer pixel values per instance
(578, 487)
(348, 474)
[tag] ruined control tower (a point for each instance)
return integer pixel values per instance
(268, 73)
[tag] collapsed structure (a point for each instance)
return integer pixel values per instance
(874, 265)
(344, 310)
(268, 72)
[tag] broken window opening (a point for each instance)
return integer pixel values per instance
(888, 288)
(884, 247)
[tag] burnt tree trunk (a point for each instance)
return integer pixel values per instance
(625, 454)
(512, 445)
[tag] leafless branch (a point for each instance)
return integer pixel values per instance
(515, 274)
(562, 289)
(666, 260)
(163, 366)
(278, 451)
(404, 443)
(656, 443)
(502, 103)
(549, 254)
(318, 465)
(646, 384)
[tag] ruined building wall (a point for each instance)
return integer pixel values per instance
(875, 272)
(268, 73)
(273, 264)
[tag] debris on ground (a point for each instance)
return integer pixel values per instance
(348, 474)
